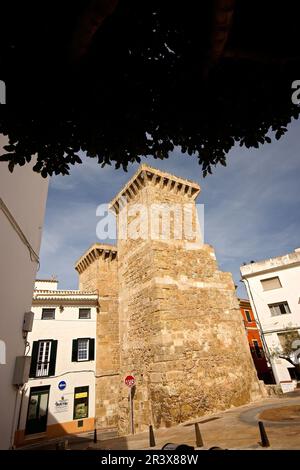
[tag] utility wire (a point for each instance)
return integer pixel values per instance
(18, 230)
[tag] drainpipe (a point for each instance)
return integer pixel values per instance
(13, 429)
(266, 349)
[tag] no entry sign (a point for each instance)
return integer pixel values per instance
(129, 381)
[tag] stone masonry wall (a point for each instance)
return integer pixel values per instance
(181, 332)
(101, 274)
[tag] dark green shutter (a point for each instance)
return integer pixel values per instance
(34, 357)
(53, 357)
(91, 349)
(75, 350)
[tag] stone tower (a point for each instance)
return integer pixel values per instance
(98, 272)
(181, 332)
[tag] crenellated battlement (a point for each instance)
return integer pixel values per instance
(96, 251)
(163, 181)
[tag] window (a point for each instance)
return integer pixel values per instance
(84, 313)
(257, 349)
(48, 314)
(43, 358)
(248, 315)
(83, 349)
(81, 402)
(271, 283)
(42, 368)
(279, 309)
(37, 412)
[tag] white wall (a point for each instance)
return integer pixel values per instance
(46, 284)
(289, 292)
(64, 329)
(289, 276)
(24, 192)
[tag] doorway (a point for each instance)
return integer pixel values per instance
(37, 410)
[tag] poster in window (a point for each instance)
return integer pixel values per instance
(81, 403)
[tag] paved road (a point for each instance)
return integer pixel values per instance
(236, 428)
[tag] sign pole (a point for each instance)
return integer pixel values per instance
(131, 411)
(130, 382)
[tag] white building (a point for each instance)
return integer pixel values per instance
(23, 195)
(59, 397)
(273, 287)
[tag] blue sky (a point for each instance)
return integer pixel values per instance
(251, 206)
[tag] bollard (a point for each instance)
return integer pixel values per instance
(57, 446)
(61, 445)
(264, 438)
(151, 437)
(95, 435)
(199, 440)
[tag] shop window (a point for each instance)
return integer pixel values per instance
(81, 402)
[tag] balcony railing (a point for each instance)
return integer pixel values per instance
(42, 369)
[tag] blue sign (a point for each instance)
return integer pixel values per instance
(62, 385)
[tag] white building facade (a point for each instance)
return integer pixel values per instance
(59, 397)
(23, 196)
(273, 288)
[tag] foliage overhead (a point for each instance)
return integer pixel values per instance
(148, 82)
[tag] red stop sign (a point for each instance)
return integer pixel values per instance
(129, 381)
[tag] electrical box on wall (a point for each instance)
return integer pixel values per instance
(21, 371)
(28, 321)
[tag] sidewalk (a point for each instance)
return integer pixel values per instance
(236, 428)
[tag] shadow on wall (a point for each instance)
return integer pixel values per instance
(79, 433)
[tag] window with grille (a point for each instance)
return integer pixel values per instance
(279, 308)
(271, 283)
(48, 314)
(84, 313)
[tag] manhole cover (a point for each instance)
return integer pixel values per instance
(283, 413)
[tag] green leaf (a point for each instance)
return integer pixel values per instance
(11, 166)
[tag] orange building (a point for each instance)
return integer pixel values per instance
(264, 372)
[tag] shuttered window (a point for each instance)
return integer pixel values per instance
(83, 349)
(271, 283)
(280, 308)
(43, 358)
